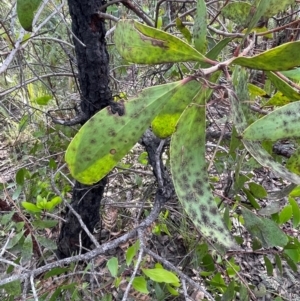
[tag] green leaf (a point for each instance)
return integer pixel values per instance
(27, 249)
(89, 159)
(208, 263)
(278, 99)
(256, 91)
(294, 254)
(20, 176)
(50, 205)
(285, 214)
(25, 12)
(131, 252)
(243, 293)
(229, 293)
(43, 100)
(161, 275)
(264, 229)
(31, 207)
(55, 272)
(14, 240)
(140, 284)
(282, 123)
(46, 242)
(293, 162)
(139, 43)
(278, 263)
(44, 224)
(215, 51)
(291, 263)
(200, 27)
(293, 74)
(283, 57)
(270, 209)
(185, 32)
(172, 290)
(296, 212)
(237, 12)
(283, 86)
(256, 12)
(269, 266)
(189, 171)
(164, 124)
(218, 282)
(13, 288)
(23, 123)
(113, 266)
(257, 190)
(251, 198)
(143, 158)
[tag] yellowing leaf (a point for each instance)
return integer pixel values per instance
(283, 57)
(283, 87)
(164, 123)
(106, 138)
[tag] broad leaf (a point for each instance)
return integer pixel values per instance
(106, 138)
(200, 27)
(264, 229)
(139, 43)
(164, 123)
(25, 12)
(282, 123)
(113, 266)
(189, 171)
(240, 122)
(283, 57)
(161, 275)
(140, 284)
(27, 249)
(283, 86)
(293, 74)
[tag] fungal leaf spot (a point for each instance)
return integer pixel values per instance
(108, 137)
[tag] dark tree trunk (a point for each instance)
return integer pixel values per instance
(93, 68)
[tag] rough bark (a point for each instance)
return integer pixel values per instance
(93, 69)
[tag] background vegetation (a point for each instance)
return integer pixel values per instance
(145, 248)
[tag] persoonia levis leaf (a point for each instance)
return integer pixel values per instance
(282, 123)
(164, 123)
(106, 138)
(200, 27)
(254, 147)
(139, 43)
(283, 57)
(264, 229)
(25, 12)
(283, 86)
(189, 172)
